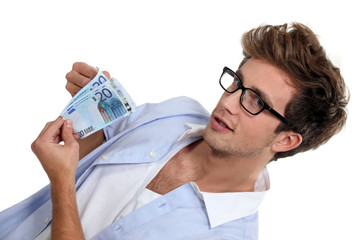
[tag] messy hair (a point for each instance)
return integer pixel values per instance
(317, 111)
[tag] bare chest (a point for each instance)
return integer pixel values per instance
(177, 172)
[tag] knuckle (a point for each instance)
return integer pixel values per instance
(68, 87)
(84, 81)
(68, 75)
(37, 145)
(77, 65)
(33, 147)
(74, 145)
(48, 123)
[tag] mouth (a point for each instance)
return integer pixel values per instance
(221, 125)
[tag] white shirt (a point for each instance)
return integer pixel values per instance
(113, 191)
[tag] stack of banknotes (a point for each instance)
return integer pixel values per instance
(97, 105)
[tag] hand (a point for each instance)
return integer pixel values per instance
(59, 161)
(79, 76)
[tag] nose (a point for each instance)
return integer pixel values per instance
(231, 102)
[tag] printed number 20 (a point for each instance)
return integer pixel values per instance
(104, 93)
(101, 80)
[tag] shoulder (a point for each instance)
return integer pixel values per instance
(184, 109)
(175, 106)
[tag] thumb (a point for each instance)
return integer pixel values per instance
(107, 74)
(67, 132)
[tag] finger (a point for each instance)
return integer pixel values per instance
(85, 69)
(67, 133)
(52, 129)
(45, 127)
(57, 139)
(107, 74)
(77, 79)
(50, 133)
(72, 88)
(76, 136)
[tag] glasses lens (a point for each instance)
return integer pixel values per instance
(228, 82)
(252, 102)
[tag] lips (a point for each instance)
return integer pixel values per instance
(220, 125)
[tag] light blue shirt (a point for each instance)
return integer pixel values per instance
(179, 214)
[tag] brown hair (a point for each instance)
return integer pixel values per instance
(317, 111)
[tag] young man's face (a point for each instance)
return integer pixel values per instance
(232, 131)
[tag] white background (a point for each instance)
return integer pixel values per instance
(162, 49)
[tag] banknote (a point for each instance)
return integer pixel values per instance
(97, 81)
(98, 106)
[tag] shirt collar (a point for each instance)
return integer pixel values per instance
(195, 130)
(225, 207)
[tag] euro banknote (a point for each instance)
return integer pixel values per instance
(99, 104)
(97, 81)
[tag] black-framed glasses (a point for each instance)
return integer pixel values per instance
(250, 100)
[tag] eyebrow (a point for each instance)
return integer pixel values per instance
(257, 90)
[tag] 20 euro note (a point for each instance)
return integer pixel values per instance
(97, 81)
(102, 93)
(99, 108)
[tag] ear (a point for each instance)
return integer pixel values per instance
(286, 141)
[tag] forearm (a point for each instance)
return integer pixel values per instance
(66, 221)
(60, 162)
(90, 143)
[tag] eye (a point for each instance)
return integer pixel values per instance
(237, 83)
(255, 103)
(258, 102)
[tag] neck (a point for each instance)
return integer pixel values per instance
(225, 173)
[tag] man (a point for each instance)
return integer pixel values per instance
(161, 174)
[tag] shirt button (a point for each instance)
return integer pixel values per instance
(46, 220)
(104, 157)
(152, 154)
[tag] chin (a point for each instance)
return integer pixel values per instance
(217, 146)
